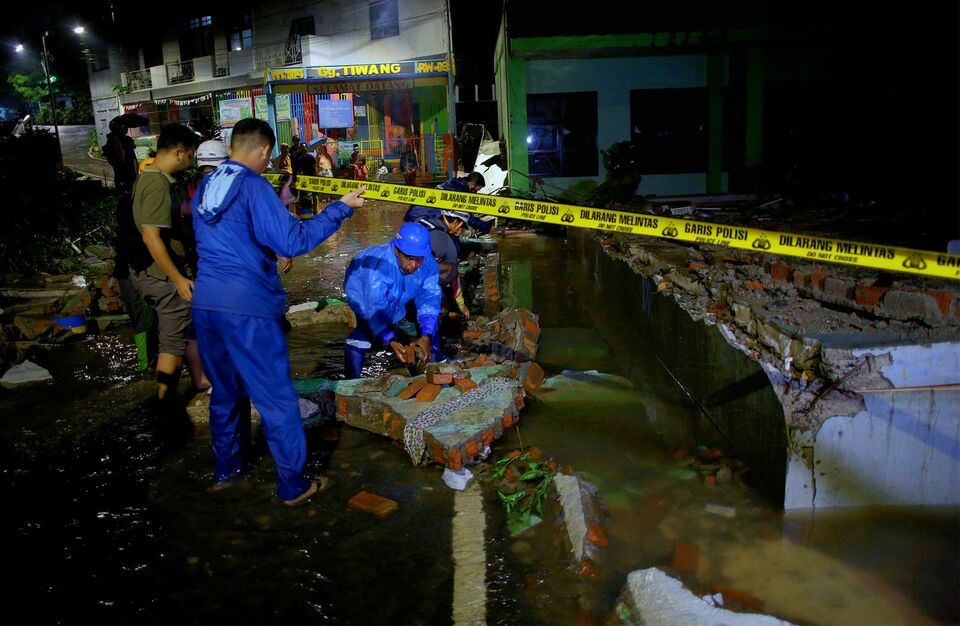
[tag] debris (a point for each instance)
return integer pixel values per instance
(26, 372)
(723, 511)
(457, 479)
(372, 503)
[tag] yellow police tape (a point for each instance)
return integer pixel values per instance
(820, 249)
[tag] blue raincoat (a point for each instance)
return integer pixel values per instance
(378, 292)
(238, 302)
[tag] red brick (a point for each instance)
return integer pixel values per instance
(372, 503)
(428, 392)
(455, 462)
(413, 388)
(686, 557)
(471, 335)
(710, 480)
(436, 453)
(737, 600)
(109, 286)
(488, 436)
(464, 384)
(867, 295)
(696, 265)
(597, 535)
(779, 271)
(342, 406)
(753, 285)
(439, 379)
(943, 298)
(534, 378)
(818, 277)
(518, 400)
(507, 420)
(472, 449)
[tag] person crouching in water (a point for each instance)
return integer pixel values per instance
(379, 283)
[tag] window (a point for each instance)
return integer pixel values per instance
(384, 19)
(200, 22)
(241, 33)
(99, 60)
(300, 27)
(669, 128)
(562, 134)
(241, 40)
(196, 40)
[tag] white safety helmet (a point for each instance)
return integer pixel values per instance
(212, 152)
(463, 216)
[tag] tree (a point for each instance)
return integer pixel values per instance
(32, 87)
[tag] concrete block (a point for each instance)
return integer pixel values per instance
(24, 373)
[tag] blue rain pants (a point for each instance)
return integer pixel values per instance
(246, 356)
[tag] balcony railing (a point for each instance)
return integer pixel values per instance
(179, 72)
(139, 79)
(221, 64)
(277, 56)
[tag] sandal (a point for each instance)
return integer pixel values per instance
(316, 486)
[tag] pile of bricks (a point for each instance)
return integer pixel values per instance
(512, 335)
(491, 284)
(436, 377)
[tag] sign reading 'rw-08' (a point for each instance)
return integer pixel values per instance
(330, 72)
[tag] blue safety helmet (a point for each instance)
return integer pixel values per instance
(413, 239)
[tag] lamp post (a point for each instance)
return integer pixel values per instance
(53, 101)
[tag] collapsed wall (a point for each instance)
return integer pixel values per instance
(863, 364)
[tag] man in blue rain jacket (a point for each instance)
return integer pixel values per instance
(241, 226)
(379, 283)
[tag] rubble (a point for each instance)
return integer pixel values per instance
(24, 373)
(793, 316)
(652, 597)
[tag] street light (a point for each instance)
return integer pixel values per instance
(45, 64)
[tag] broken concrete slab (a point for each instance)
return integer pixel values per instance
(654, 598)
(581, 516)
(25, 373)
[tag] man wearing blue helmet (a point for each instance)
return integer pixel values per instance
(379, 283)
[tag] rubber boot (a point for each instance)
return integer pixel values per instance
(143, 354)
(353, 361)
(436, 349)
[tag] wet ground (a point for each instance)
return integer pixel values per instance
(108, 518)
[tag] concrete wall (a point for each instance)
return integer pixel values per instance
(343, 32)
(613, 79)
(902, 449)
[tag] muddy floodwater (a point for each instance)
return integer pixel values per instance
(107, 518)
